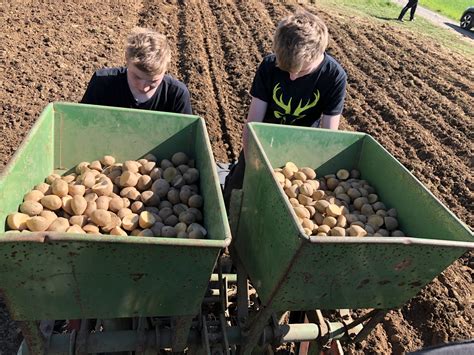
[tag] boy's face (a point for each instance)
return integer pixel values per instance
(142, 85)
(306, 69)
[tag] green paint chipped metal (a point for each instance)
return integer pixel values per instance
(69, 276)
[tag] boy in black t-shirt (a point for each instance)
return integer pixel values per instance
(143, 83)
(298, 85)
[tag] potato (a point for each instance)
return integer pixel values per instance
(123, 212)
(52, 177)
(330, 221)
(44, 188)
(165, 163)
(341, 221)
(306, 189)
(173, 196)
(196, 226)
(91, 229)
(91, 207)
(81, 220)
(156, 228)
(391, 223)
(149, 198)
(178, 182)
(76, 189)
(367, 210)
(195, 201)
(181, 227)
(323, 229)
(185, 194)
(131, 166)
(168, 232)
(88, 179)
(115, 204)
(115, 221)
(304, 200)
(180, 208)
(337, 232)
(146, 233)
(155, 173)
(310, 173)
(130, 221)
(66, 204)
(78, 205)
(103, 202)
(301, 212)
(280, 178)
(333, 210)
(165, 212)
(146, 220)
(299, 176)
(191, 176)
(376, 221)
(118, 231)
(128, 179)
(17, 221)
(321, 205)
(356, 231)
(171, 220)
(59, 225)
(372, 198)
(91, 196)
(332, 183)
(144, 183)
(318, 195)
(186, 217)
(34, 195)
(104, 187)
(147, 167)
(52, 202)
(75, 229)
(107, 160)
(342, 174)
(160, 187)
(179, 158)
(31, 208)
(49, 215)
(170, 173)
(37, 224)
(100, 218)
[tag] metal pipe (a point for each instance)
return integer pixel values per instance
(126, 340)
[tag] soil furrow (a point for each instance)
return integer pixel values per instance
(222, 91)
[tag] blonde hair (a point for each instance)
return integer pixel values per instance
(300, 38)
(148, 51)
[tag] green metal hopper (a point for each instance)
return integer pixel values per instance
(293, 272)
(69, 276)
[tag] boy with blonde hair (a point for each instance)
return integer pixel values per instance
(143, 83)
(300, 84)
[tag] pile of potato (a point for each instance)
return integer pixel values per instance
(139, 198)
(336, 205)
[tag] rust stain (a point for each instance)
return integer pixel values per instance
(137, 276)
(402, 264)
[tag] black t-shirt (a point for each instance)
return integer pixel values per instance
(302, 101)
(109, 87)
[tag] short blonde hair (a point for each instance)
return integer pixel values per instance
(300, 38)
(148, 50)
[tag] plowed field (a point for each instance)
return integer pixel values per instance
(414, 96)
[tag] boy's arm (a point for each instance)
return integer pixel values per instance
(256, 113)
(330, 122)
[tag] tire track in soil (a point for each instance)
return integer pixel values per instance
(241, 56)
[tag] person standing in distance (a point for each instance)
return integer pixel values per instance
(411, 4)
(143, 82)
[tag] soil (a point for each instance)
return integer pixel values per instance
(412, 95)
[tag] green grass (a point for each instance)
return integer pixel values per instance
(449, 8)
(387, 12)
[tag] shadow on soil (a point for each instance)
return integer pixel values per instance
(465, 33)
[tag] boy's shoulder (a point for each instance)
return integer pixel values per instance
(174, 83)
(333, 66)
(111, 72)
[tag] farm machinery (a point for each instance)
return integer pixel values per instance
(255, 282)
